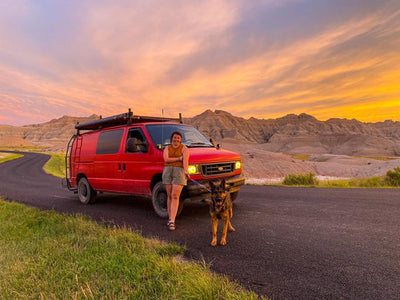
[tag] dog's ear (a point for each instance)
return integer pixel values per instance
(212, 186)
(223, 184)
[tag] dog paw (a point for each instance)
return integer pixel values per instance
(232, 229)
(213, 243)
(222, 242)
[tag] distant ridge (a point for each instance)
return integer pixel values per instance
(221, 124)
(302, 134)
(54, 134)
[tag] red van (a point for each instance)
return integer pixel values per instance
(124, 154)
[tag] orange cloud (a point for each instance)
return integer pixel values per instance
(188, 57)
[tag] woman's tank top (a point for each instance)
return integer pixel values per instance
(175, 152)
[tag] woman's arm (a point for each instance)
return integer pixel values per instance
(185, 158)
(170, 159)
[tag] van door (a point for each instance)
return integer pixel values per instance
(138, 167)
(107, 164)
(75, 160)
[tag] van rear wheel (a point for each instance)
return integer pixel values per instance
(159, 199)
(85, 192)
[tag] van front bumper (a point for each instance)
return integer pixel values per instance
(199, 190)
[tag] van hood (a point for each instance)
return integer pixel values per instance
(210, 155)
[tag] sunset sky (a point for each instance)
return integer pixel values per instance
(263, 59)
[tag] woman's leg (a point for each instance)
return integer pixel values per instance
(173, 201)
(168, 188)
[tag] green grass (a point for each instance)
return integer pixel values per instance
(23, 148)
(8, 156)
(301, 179)
(382, 158)
(45, 255)
(56, 165)
(390, 180)
(372, 182)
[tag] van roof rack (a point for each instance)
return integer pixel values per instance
(122, 119)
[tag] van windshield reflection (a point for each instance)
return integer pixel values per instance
(191, 137)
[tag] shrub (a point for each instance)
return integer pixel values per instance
(392, 178)
(373, 182)
(302, 179)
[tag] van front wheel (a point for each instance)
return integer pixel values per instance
(159, 199)
(85, 191)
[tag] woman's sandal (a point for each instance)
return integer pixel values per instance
(171, 225)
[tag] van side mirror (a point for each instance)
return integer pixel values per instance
(218, 146)
(133, 145)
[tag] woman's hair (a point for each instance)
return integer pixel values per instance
(177, 133)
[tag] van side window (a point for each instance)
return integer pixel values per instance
(140, 141)
(109, 142)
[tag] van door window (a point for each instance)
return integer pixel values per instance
(109, 142)
(136, 141)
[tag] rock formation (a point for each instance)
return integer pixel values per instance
(296, 134)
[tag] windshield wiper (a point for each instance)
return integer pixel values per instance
(199, 145)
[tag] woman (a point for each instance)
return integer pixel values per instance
(175, 174)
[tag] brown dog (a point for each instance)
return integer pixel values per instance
(220, 208)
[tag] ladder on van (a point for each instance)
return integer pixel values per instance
(68, 173)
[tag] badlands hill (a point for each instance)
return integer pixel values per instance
(304, 134)
(336, 147)
(53, 135)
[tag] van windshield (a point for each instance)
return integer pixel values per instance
(191, 137)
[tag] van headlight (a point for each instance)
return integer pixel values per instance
(238, 165)
(193, 169)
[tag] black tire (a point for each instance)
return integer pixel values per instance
(234, 195)
(159, 199)
(85, 191)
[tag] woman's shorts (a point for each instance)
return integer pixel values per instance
(173, 175)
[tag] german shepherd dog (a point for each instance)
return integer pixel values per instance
(220, 208)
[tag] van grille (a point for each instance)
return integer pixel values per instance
(217, 169)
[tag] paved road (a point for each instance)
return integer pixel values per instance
(290, 243)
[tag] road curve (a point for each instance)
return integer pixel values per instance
(290, 243)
